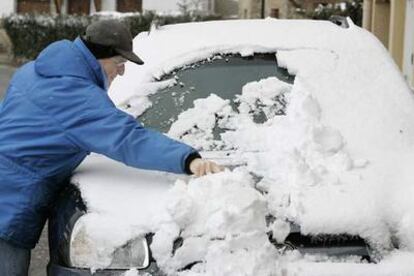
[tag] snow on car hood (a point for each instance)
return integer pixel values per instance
(339, 161)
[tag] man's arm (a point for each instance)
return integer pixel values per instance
(94, 124)
(113, 133)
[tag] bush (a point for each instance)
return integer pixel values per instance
(31, 33)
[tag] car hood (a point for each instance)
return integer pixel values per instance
(106, 182)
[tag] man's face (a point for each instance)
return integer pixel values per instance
(113, 67)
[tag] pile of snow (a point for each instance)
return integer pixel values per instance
(338, 162)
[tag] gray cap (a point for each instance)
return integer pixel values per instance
(111, 37)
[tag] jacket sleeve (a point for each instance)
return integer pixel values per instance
(98, 126)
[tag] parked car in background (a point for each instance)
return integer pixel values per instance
(307, 116)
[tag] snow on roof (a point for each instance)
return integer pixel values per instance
(339, 161)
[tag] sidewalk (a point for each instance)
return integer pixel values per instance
(6, 72)
(5, 58)
(5, 48)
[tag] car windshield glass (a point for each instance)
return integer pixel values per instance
(222, 75)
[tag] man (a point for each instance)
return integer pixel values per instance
(56, 111)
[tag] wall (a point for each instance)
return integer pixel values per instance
(250, 9)
(277, 5)
(408, 58)
(129, 5)
(7, 7)
(285, 8)
(396, 36)
(367, 15)
(171, 6)
(227, 8)
(34, 6)
(381, 20)
(108, 5)
(160, 5)
(244, 9)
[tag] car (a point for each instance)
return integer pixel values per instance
(312, 121)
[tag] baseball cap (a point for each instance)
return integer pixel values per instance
(108, 38)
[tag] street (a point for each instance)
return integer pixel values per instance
(40, 255)
(5, 75)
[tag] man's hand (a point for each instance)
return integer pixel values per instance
(201, 167)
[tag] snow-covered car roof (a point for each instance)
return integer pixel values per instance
(338, 162)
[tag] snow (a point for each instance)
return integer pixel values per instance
(114, 14)
(338, 162)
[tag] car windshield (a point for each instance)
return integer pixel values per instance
(222, 75)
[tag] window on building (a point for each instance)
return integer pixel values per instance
(33, 6)
(78, 7)
(129, 5)
(274, 13)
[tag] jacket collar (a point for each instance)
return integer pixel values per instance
(93, 64)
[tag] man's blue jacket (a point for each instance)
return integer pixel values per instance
(56, 111)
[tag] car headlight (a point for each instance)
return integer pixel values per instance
(134, 253)
(87, 252)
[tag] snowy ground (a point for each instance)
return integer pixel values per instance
(339, 161)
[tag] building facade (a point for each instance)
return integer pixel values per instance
(225, 8)
(279, 8)
(392, 21)
(228, 9)
(179, 6)
(69, 6)
(7, 7)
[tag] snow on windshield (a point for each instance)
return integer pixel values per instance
(339, 161)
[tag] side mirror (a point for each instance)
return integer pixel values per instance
(341, 21)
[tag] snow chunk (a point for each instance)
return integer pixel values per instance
(220, 214)
(195, 125)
